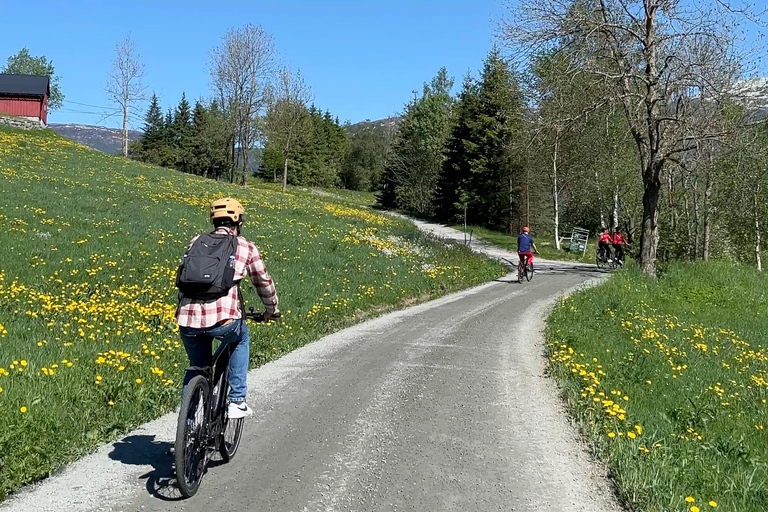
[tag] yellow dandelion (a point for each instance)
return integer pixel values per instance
(689, 499)
(713, 504)
(23, 409)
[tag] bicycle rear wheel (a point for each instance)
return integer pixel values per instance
(233, 432)
(520, 273)
(191, 436)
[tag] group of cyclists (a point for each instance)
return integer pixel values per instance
(611, 238)
(211, 306)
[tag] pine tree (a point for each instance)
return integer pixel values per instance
(493, 187)
(150, 145)
(461, 152)
(183, 135)
(201, 150)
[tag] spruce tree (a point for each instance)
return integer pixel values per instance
(183, 139)
(493, 187)
(201, 150)
(461, 152)
(151, 142)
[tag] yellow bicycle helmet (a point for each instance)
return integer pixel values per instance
(227, 208)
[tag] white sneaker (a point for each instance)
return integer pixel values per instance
(239, 410)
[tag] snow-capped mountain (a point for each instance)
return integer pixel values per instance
(97, 137)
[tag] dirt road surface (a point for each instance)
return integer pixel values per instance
(444, 406)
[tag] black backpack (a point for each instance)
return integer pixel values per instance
(207, 270)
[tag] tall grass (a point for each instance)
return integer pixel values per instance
(88, 250)
(668, 379)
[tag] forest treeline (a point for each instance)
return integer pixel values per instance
(660, 144)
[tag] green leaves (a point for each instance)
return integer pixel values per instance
(23, 63)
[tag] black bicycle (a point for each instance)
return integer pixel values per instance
(204, 427)
(524, 269)
(606, 258)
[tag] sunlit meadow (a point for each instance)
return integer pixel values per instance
(668, 379)
(88, 250)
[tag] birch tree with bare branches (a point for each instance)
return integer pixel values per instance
(124, 84)
(241, 69)
(288, 122)
(668, 63)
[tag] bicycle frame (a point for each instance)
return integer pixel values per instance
(216, 374)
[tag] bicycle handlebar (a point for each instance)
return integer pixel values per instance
(258, 316)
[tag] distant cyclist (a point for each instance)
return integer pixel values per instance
(604, 245)
(525, 244)
(619, 242)
(210, 306)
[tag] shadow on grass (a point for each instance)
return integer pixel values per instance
(143, 450)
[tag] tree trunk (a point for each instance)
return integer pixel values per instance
(555, 194)
(600, 199)
(695, 246)
(649, 235)
(757, 233)
(707, 216)
(671, 197)
(234, 163)
(511, 211)
(246, 144)
(124, 134)
(528, 196)
(616, 207)
(285, 174)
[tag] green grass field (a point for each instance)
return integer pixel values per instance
(668, 379)
(544, 242)
(88, 250)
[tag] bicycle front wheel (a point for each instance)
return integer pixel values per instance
(529, 272)
(191, 436)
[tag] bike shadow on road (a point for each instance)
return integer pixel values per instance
(144, 450)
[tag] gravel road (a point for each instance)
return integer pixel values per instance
(442, 406)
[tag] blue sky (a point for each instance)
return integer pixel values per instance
(361, 58)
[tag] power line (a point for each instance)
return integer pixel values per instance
(86, 104)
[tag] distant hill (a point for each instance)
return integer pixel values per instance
(104, 139)
(387, 123)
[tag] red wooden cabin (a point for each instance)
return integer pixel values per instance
(25, 96)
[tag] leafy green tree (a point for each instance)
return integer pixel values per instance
(417, 154)
(23, 63)
(364, 166)
(288, 122)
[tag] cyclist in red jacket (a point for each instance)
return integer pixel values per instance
(619, 242)
(604, 245)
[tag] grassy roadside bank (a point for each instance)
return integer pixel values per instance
(668, 380)
(88, 344)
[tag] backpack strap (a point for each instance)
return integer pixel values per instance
(240, 297)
